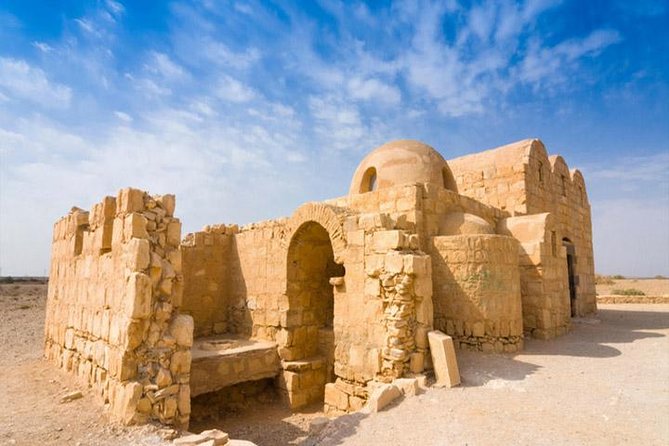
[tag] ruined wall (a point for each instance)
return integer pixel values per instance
(477, 291)
(383, 311)
(206, 265)
(113, 317)
(543, 274)
(522, 179)
(496, 177)
(258, 304)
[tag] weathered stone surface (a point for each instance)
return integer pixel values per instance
(382, 395)
(345, 291)
(443, 359)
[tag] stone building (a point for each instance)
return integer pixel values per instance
(487, 248)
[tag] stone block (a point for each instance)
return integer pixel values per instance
(220, 438)
(180, 362)
(336, 397)
(190, 440)
(138, 254)
(174, 233)
(183, 399)
(388, 240)
(138, 296)
(134, 226)
(417, 362)
(381, 396)
(408, 386)
(394, 262)
(443, 359)
(181, 328)
(129, 200)
(125, 402)
(168, 202)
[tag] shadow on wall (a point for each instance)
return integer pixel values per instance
(239, 315)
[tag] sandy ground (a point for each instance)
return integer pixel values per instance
(30, 389)
(650, 287)
(604, 383)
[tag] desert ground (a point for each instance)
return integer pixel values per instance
(649, 287)
(603, 383)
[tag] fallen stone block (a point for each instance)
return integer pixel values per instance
(382, 395)
(71, 396)
(408, 386)
(190, 440)
(220, 438)
(443, 359)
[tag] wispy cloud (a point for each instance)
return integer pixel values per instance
(229, 103)
(20, 80)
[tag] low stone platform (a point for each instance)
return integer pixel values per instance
(222, 361)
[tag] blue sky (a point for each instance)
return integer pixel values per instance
(247, 109)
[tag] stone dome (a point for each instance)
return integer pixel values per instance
(401, 162)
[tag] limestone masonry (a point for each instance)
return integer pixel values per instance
(333, 303)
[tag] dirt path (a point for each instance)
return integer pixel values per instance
(604, 383)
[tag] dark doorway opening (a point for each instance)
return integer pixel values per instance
(311, 264)
(571, 260)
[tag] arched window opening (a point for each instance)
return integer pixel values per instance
(541, 172)
(368, 181)
(447, 178)
(564, 185)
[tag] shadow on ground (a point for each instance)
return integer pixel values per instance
(589, 338)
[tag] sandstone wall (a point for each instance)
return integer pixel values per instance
(543, 274)
(562, 193)
(497, 177)
(477, 291)
(522, 179)
(206, 271)
(113, 319)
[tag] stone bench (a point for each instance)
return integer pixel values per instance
(222, 361)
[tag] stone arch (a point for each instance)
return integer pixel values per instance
(329, 217)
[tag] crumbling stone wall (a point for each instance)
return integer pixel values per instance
(113, 306)
(477, 297)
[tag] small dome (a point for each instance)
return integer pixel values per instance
(459, 223)
(401, 162)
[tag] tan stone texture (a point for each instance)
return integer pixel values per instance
(331, 301)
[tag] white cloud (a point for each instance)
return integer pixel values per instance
(220, 54)
(20, 80)
(231, 89)
(374, 89)
(43, 47)
(552, 64)
(123, 116)
(162, 65)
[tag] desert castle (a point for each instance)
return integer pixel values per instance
(329, 302)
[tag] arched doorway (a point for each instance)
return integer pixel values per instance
(571, 260)
(311, 264)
